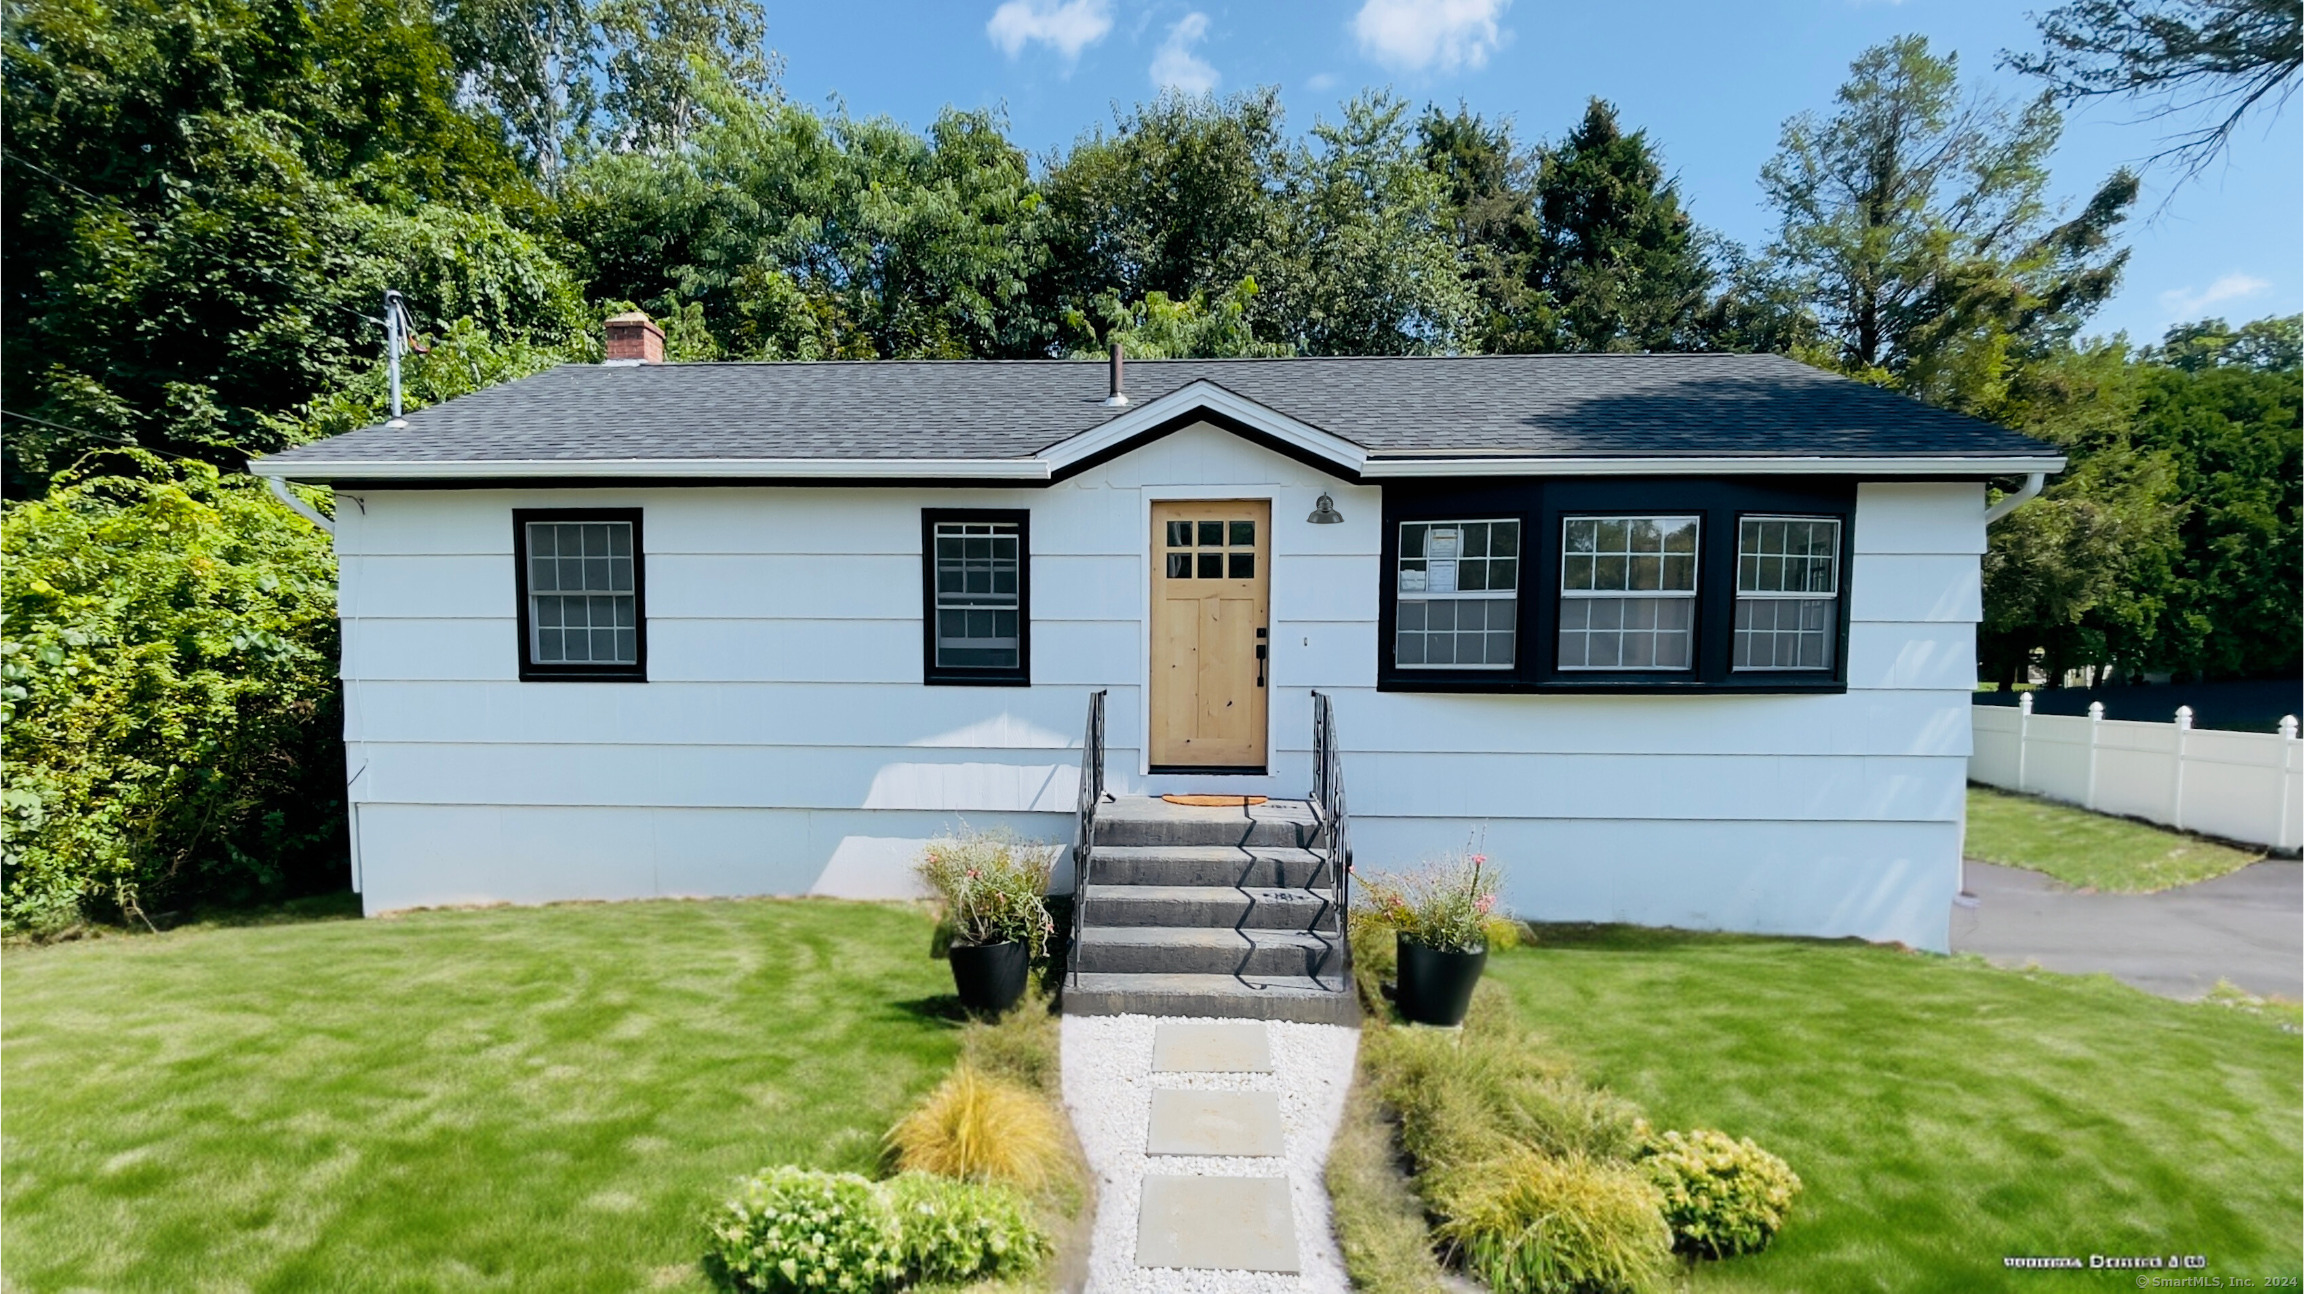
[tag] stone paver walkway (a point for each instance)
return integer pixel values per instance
(1208, 1139)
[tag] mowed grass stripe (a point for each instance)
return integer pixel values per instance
(518, 1098)
(1943, 1113)
(2091, 850)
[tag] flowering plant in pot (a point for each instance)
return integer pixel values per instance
(992, 889)
(1445, 919)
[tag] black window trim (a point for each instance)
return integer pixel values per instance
(935, 675)
(533, 671)
(1541, 504)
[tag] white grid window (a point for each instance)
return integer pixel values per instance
(1627, 592)
(978, 607)
(1787, 592)
(1459, 594)
(582, 606)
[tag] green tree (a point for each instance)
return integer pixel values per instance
(568, 76)
(1194, 328)
(1917, 223)
(2217, 60)
(2235, 429)
(205, 199)
(1620, 264)
(1185, 195)
(803, 237)
(1488, 185)
(1373, 266)
(168, 686)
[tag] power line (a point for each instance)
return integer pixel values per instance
(112, 438)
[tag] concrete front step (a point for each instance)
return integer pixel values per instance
(1323, 1000)
(1256, 865)
(1194, 950)
(1217, 906)
(1149, 820)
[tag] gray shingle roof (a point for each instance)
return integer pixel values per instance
(1537, 405)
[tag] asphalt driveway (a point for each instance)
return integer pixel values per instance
(2247, 927)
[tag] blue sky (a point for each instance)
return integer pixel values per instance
(1711, 83)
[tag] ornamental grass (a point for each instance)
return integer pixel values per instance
(982, 1129)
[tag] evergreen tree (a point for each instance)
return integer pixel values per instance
(1618, 263)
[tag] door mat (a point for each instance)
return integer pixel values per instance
(1215, 801)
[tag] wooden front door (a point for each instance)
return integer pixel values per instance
(1211, 595)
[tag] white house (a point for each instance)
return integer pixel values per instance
(1683, 639)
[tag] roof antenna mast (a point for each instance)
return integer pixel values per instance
(397, 328)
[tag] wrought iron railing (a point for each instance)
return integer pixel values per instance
(1091, 795)
(1332, 834)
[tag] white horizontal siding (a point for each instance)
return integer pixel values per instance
(1908, 587)
(785, 743)
(905, 715)
(1919, 517)
(1871, 880)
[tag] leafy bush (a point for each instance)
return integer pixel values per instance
(1449, 905)
(1529, 1223)
(794, 1229)
(993, 888)
(982, 1129)
(167, 682)
(953, 1231)
(1722, 1196)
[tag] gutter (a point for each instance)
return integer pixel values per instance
(1041, 469)
(2033, 482)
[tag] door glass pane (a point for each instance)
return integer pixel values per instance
(1243, 566)
(1179, 534)
(1179, 566)
(1211, 565)
(1243, 534)
(1211, 534)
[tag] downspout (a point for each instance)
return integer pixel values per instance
(2010, 502)
(298, 506)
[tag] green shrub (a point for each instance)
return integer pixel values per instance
(952, 1231)
(168, 686)
(1722, 1195)
(993, 888)
(794, 1229)
(1528, 1223)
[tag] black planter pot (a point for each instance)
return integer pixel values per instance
(1436, 987)
(990, 977)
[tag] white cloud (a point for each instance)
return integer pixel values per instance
(2187, 304)
(1066, 26)
(1321, 81)
(1413, 35)
(1176, 67)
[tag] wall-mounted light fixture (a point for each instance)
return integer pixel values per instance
(1324, 512)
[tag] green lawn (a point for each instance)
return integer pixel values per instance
(530, 1099)
(1943, 1113)
(2090, 850)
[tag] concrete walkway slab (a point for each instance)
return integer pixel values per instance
(2247, 927)
(1190, 1048)
(1233, 1223)
(1187, 1121)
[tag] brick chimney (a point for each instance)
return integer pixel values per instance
(634, 338)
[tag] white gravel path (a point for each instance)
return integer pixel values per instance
(1108, 1082)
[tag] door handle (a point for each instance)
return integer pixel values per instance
(1261, 651)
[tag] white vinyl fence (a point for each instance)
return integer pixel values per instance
(2246, 786)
